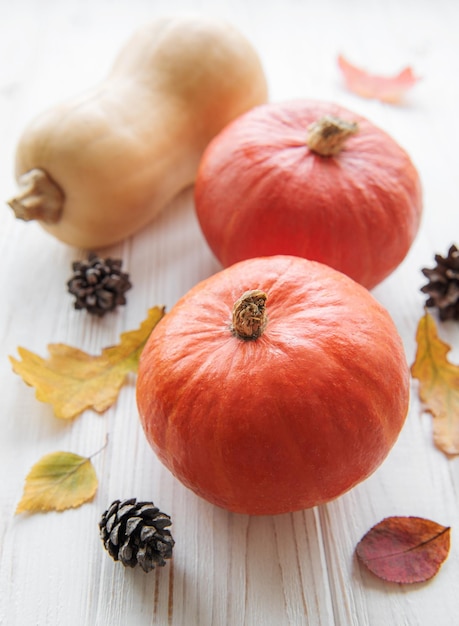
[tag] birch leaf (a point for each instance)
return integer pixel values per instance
(72, 380)
(404, 549)
(60, 480)
(438, 385)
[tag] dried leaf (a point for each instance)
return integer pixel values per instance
(404, 549)
(384, 88)
(72, 380)
(438, 384)
(60, 480)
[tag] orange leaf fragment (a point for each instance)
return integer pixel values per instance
(387, 89)
(404, 549)
(439, 384)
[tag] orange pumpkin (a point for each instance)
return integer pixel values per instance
(310, 179)
(278, 399)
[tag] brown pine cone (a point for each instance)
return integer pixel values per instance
(443, 285)
(136, 533)
(98, 284)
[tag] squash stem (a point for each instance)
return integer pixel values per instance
(249, 315)
(39, 198)
(328, 135)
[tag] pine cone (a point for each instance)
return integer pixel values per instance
(135, 533)
(98, 284)
(443, 285)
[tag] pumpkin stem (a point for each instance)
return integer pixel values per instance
(249, 315)
(328, 135)
(39, 198)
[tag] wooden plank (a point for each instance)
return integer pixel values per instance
(228, 570)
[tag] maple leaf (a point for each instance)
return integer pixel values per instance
(404, 549)
(72, 380)
(60, 480)
(438, 384)
(385, 88)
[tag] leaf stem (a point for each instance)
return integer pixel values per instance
(91, 456)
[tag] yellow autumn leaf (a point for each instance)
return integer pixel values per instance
(438, 384)
(60, 480)
(72, 380)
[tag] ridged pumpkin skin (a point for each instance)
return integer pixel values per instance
(261, 191)
(286, 421)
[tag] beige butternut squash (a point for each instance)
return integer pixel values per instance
(98, 168)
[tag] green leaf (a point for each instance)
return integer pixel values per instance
(60, 480)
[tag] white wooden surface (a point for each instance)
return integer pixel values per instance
(227, 569)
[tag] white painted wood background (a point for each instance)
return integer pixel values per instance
(227, 569)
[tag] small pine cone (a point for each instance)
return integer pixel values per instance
(135, 533)
(443, 285)
(98, 284)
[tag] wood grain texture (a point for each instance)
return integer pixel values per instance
(227, 570)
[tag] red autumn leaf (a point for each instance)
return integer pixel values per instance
(384, 88)
(404, 549)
